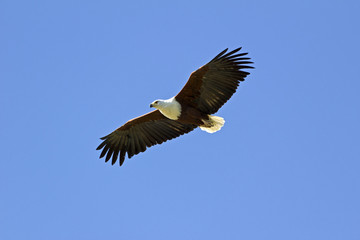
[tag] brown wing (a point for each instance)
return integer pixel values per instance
(212, 85)
(139, 133)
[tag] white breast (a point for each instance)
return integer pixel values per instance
(170, 108)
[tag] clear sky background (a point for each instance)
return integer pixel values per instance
(285, 166)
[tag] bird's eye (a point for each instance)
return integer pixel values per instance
(156, 102)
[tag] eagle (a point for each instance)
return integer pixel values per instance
(206, 91)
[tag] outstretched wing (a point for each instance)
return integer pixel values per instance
(139, 133)
(212, 85)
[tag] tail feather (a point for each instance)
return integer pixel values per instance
(212, 125)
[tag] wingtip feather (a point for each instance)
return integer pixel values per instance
(103, 152)
(122, 157)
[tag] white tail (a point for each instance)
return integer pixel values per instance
(212, 125)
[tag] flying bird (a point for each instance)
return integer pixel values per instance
(206, 91)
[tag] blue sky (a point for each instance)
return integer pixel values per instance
(285, 165)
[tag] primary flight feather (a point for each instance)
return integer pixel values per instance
(207, 89)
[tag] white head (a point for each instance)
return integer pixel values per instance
(170, 108)
(159, 103)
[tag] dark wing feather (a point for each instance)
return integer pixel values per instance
(140, 133)
(212, 85)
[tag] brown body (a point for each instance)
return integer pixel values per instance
(191, 115)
